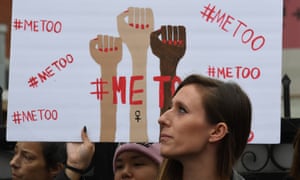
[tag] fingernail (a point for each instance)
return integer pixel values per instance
(84, 129)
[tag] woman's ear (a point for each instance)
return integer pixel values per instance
(54, 171)
(218, 132)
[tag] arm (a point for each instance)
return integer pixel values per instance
(135, 33)
(107, 53)
(169, 45)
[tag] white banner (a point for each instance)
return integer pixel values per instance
(112, 65)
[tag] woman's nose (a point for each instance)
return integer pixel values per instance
(14, 162)
(163, 119)
(126, 172)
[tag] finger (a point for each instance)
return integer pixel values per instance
(84, 135)
(100, 42)
(155, 34)
(154, 39)
(131, 16)
(149, 18)
(93, 48)
(182, 34)
(105, 43)
(93, 43)
(175, 34)
(137, 17)
(111, 43)
(164, 33)
(118, 44)
(143, 17)
(121, 18)
(170, 34)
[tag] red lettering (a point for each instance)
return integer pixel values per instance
(49, 71)
(27, 24)
(62, 62)
(69, 58)
(260, 45)
(238, 27)
(41, 112)
(227, 21)
(221, 72)
(43, 24)
(250, 36)
(28, 116)
(133, 91)
(35, 26)
(220, 19)
(34, 115)
(45, 74)
(175, 80)
(57, 27)
(55, 63)
(161, 80)
(237, 72)
(119, 87)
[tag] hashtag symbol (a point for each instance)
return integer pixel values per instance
(18, 24)
(211, 71)
(99, 88)
(33, 82)
(16, 117)
(208, 12)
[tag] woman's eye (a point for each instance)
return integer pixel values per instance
(28, 157)
(119, 166)
(182, 110)
(139, 164)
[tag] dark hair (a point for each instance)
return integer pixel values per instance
(54, 153)
(222, 102)
(295, 168)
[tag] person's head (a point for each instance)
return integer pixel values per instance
(37, 160)
(295, 168)
(139, 161)
(206, 115)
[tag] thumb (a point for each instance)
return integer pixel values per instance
(84, 135)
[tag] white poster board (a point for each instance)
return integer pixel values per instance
(91, 63)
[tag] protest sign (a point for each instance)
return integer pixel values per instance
(112, 65)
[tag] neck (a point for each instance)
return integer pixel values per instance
(202, 166)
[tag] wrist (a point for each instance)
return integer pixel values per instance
(72, 175)
(75, 170)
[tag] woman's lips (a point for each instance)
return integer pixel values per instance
(15, 176)
(164, 137)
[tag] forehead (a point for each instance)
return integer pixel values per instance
(189, 92)
(32, 147)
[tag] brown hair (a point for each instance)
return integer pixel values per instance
(295, 168)
(223, 102)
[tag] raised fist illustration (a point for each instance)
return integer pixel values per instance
(169, 45)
